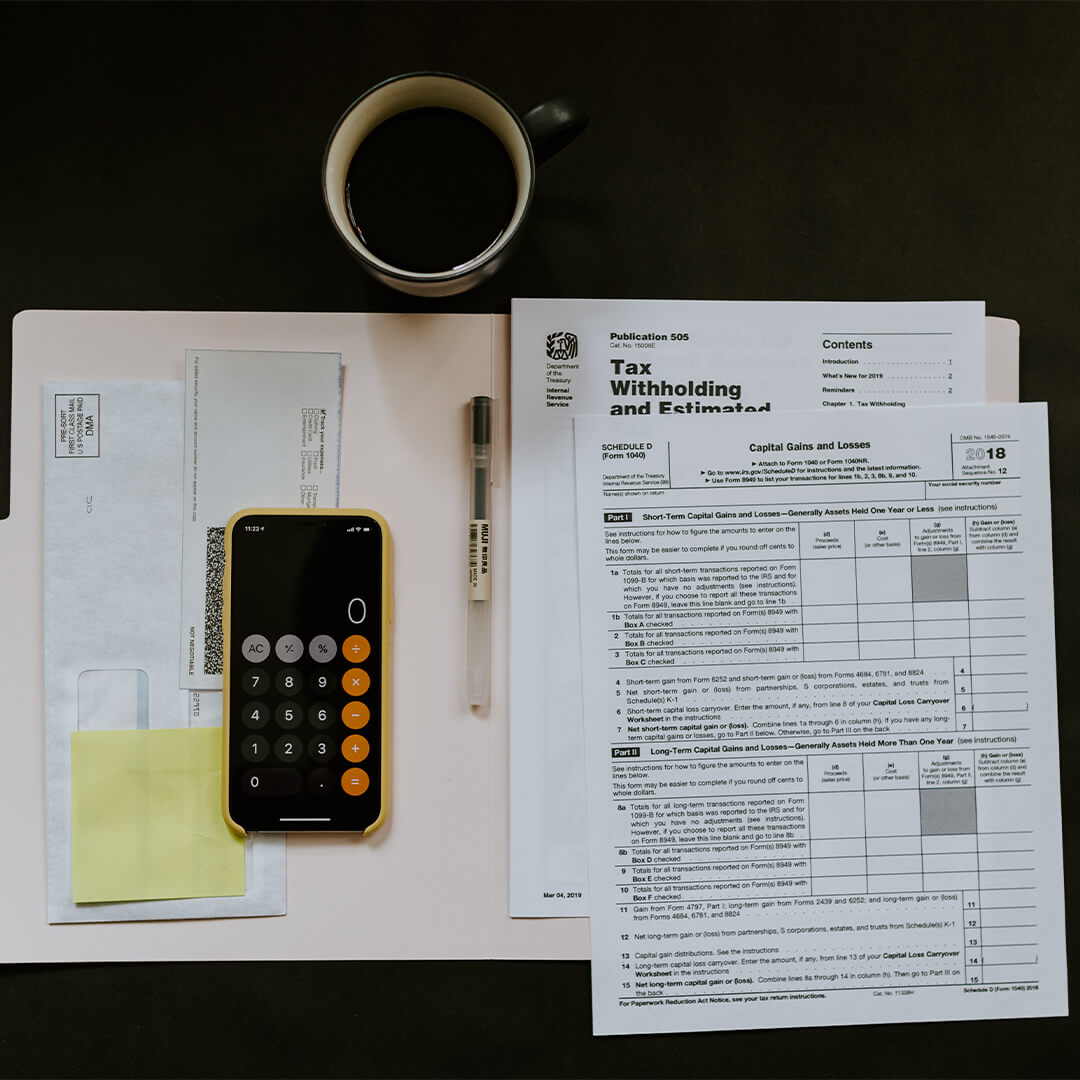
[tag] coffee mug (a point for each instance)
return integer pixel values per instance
(428, 178)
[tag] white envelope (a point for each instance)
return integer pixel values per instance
(113, 470)
(261, 428)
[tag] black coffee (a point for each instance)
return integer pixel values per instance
(430, 189)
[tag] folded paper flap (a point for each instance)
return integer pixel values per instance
(1002, 353)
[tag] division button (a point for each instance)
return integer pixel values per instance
(355, 681)
(355, 715)
(354, 781)
(356, 648)
(355, 748)
(322, 649)
(289, 648)
(255, 648)
(271, 782)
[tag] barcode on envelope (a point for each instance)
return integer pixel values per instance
(213, 646)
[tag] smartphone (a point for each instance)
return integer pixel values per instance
(306, 642)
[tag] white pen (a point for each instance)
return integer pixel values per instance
(478, 644)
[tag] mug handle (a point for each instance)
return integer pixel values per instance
(553, 124)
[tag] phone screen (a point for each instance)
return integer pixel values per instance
(306, 648)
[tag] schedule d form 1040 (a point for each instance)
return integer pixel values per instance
(821, 721)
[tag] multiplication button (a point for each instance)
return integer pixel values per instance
(355, 681)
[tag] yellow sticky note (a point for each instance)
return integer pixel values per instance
(146, 818)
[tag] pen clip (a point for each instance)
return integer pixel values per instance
(483, 417)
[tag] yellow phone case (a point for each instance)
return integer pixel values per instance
(384, 665)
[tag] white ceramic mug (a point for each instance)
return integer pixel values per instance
(527, 140)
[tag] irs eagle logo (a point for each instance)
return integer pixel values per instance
(562, 345)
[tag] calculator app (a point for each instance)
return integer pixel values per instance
(306, 654)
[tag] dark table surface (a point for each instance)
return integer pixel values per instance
(167, 157)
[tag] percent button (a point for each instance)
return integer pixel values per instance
(322, 648)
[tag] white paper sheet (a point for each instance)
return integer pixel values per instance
(261, 429)
(821, 719)
(580, 357)
(113, 469)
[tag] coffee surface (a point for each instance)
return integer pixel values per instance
(430, 189)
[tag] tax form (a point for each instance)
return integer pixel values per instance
(707, 361)
(821, 735)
